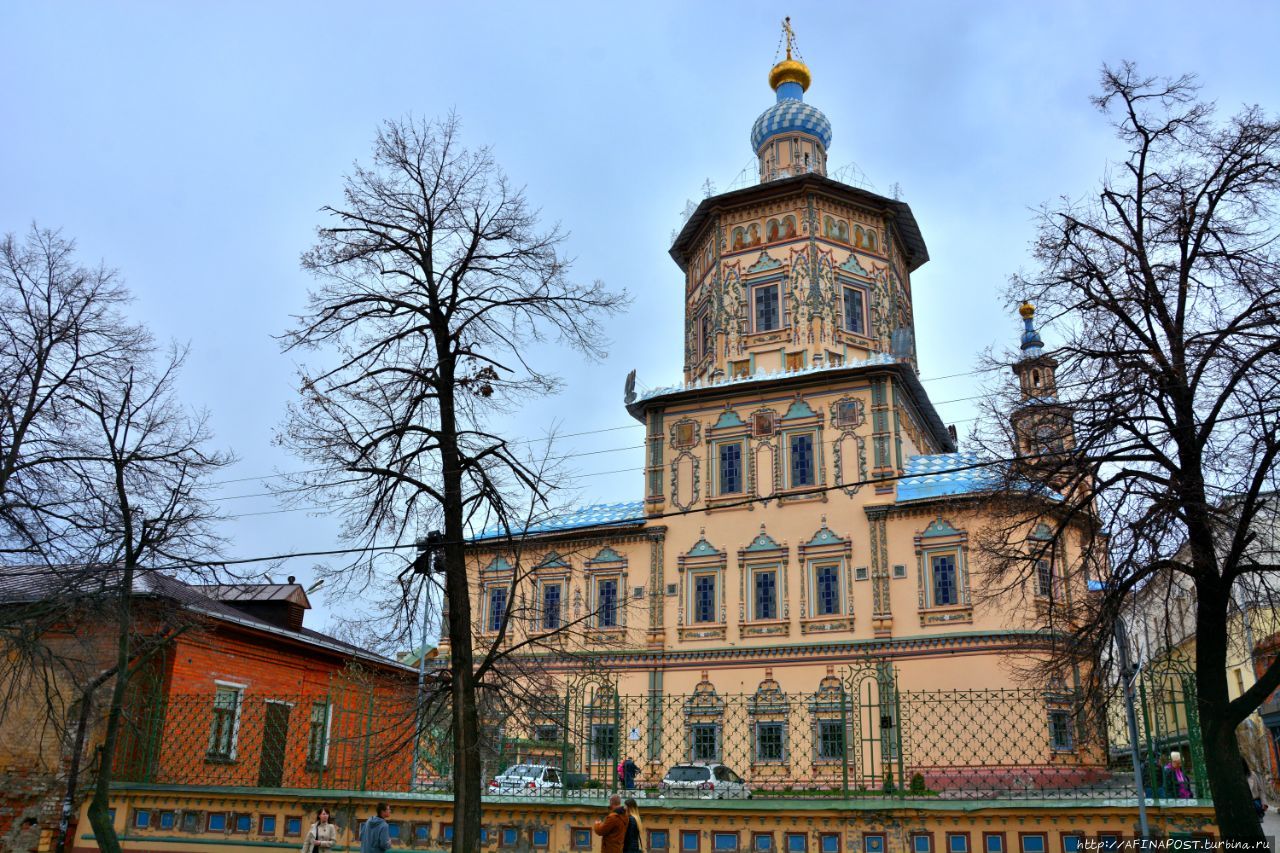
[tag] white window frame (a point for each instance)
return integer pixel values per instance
(618, 603)
(841, 592)
(844, 317)
(238, 689)
(328, 732)
(754, 603)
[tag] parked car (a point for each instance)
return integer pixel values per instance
(703, 781)
(526, 780)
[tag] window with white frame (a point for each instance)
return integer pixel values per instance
(552, 605)
(497, 607)
(729, 467)
(318, 735)
(855, 310)
(944, 579)
(1044, 577)
(767, 306)
(800, 460)
(764, 594)
(606, 602)
(225, 731)
(704, 742)
(770, 740)
(829, 740)
(826, 589)
(704, 598)
(1060, 735)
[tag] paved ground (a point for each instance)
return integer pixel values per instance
(1271, 823)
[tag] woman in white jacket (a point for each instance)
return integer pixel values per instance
(322, 836)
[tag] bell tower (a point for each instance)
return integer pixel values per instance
(1041, 424)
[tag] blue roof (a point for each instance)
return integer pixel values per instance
(787, 115)
(596, 515)
(943, 474)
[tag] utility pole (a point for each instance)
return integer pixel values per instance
(425, 564)
(1128, 675)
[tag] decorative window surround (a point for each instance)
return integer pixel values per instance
(728, 430)
(941, 539)
(801, 419)
(701, 560)
(763, 554)
(826, 548)
(606, 565)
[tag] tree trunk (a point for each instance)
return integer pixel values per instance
(467, 767)
(99, 807)
(73, 772)
(1232, 802)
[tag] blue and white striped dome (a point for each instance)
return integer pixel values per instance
(790, 114)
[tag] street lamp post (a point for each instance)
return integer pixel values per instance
(1128, 675)
(425, 565)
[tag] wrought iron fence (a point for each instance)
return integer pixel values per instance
(856, 735)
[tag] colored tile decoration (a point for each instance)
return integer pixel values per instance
(596, 515)
(936, 475)
(789, 115)
(878, 359)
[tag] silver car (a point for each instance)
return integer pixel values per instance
(703, 781)
(529, 780)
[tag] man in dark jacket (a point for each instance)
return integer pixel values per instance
(613, 828)
(628, 772)
(375, 835)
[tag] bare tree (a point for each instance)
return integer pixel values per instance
(99, 470)
(436, 284)
(143, 507)
(1160, 433)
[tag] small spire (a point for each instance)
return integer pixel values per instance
(789, 33)
(790, 77)
(1032, 345)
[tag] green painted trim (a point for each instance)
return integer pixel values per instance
(228, 841)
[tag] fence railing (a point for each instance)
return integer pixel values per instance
(847, 739)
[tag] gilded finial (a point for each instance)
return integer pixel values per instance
(1027, 310)
(789, 70)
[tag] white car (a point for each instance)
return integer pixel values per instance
(704, 781)
(527, 780)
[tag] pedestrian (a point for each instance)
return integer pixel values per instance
(375, 835)
(627, 772)
(1255, 790)
(635, 828)
(27, 838)
(612, 829)
(1177, 784)
(322, 835)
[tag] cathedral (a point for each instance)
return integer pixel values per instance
(807, 522)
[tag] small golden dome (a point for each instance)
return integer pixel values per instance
(789, 71)
(1027, 310)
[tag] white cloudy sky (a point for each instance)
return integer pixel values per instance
(190, 146)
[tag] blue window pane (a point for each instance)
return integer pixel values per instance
(827, 592)
(830, 844)
(957, 843)
(509, 837)
(422, 832)
(167, 821)
(762, 844)
(1071, 843)
(766, 595)
(797, 843)
(873, 843)
(995, 844)
(704, 599)
(446, 832)
(767, 308)
(541, 837)
(217, 823)
(730, 469)
(607, 607)
(244, 823)
(393, 829)
(801, 460)
(142, 819)
(944, 580)
(1033, 844)
(484, 835)
(688, 840)
(293, 826)
(497, 607)
(724, 841)
(659, 839)
(551, 606)
(921, 844)
(853, 310)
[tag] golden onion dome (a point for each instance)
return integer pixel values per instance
(789, 71)
(1027, 310)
